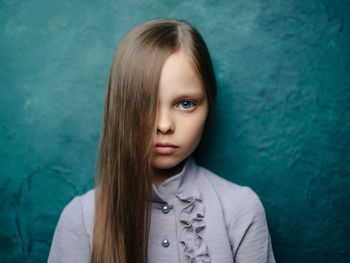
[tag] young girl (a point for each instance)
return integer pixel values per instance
(151, 201)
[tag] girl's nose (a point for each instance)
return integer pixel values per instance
(165, 123)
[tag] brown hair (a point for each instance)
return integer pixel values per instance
(123, 182)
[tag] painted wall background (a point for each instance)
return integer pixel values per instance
(282, 124)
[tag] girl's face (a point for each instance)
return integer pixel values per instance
(181, 112)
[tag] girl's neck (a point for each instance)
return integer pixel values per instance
(160, 175)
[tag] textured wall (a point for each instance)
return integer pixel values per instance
(282, 124)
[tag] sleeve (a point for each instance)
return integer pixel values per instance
(70, 242)
(248, 231)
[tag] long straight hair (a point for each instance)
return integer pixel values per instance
(123, 179)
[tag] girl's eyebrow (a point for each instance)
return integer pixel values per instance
(199, 96)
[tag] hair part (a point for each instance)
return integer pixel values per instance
(123, 177)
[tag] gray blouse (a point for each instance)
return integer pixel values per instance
(197, 216)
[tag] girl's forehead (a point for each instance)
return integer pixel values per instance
(178, 70)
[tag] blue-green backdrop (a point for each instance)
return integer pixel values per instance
(282, 123)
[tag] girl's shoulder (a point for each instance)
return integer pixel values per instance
(226, 188)
(237, 201)
(88, 200)
(81, 209)
(79, 206)
(73, 232)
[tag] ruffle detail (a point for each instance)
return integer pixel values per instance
(192, 218)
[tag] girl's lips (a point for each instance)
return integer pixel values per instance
(164, 144)
(164, 149)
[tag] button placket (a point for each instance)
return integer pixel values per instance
(165, 208)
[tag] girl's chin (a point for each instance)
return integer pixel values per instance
(164, 162)
(168, 168)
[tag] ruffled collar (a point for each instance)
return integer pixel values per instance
(182, 185)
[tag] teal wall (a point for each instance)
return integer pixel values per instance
(282, 118)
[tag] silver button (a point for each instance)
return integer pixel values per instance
(165, 208)
(165, 243)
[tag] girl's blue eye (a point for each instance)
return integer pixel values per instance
(187, 104)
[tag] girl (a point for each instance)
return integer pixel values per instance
(151, 201)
